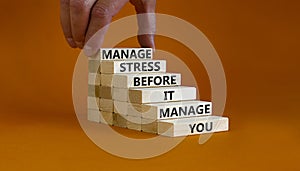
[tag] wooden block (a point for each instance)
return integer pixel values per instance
(134, 123)
(192, 126)
(93, 66)
(106, 92)
(93, 115)
(120, 94)
(93, 103)
(161, 94)
(149, 125)
(93, 90)
(113, 93)
(170, 110)
(137, 66)
(126, 53)
(146, 80)
(106, 105)
(138, 110)
(106, 118)
(119, 120)
(120, 107)
(106, 80)
(100, 116)
(94, 79)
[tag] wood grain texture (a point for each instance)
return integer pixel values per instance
(134, 123)
(119, 120)
(93, 66)
(106, 80)
(94, 79)
(94, 90)
(106, 105)
(149, 125)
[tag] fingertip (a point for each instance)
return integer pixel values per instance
(71, 43)
(146, 41)
(79, 44)
(89, 51)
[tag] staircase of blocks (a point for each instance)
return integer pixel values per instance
(128, 89)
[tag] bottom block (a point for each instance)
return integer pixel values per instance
(119, 120)
(93, 103)
(100, 116)
(149, 125)
(93, 115)
(106, 105)
(192, 126)
(134, 123)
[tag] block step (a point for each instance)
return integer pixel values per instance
(125, 54)
(133, 66)
(192, 126)
(146, 80)
(161, 94)
(171, 110)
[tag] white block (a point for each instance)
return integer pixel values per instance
(120, 94)
(93, 102)
(120, 107)
(134, 123)
(192, 126)
(93, 115)
(170, 110)
(100, 116)
(146, 80)
(94, 90)
(161, 94)
(93, 66)
(94, 79)
(149, 125)
(137, 66)
(125, 53)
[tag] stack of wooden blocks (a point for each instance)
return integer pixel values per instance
(128, 89)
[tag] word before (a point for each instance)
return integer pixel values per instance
(146, 80)
(159, 80)
(179, 111)
(125, 53)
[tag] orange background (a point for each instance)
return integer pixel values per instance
(258, 42)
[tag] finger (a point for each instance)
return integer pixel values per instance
(66, 22)
(146, 21)
(79, 14)
(101, 16)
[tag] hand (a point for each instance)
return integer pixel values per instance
(81, 19)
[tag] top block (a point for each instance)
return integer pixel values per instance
(126, 53)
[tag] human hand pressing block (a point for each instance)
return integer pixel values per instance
(81, 19)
